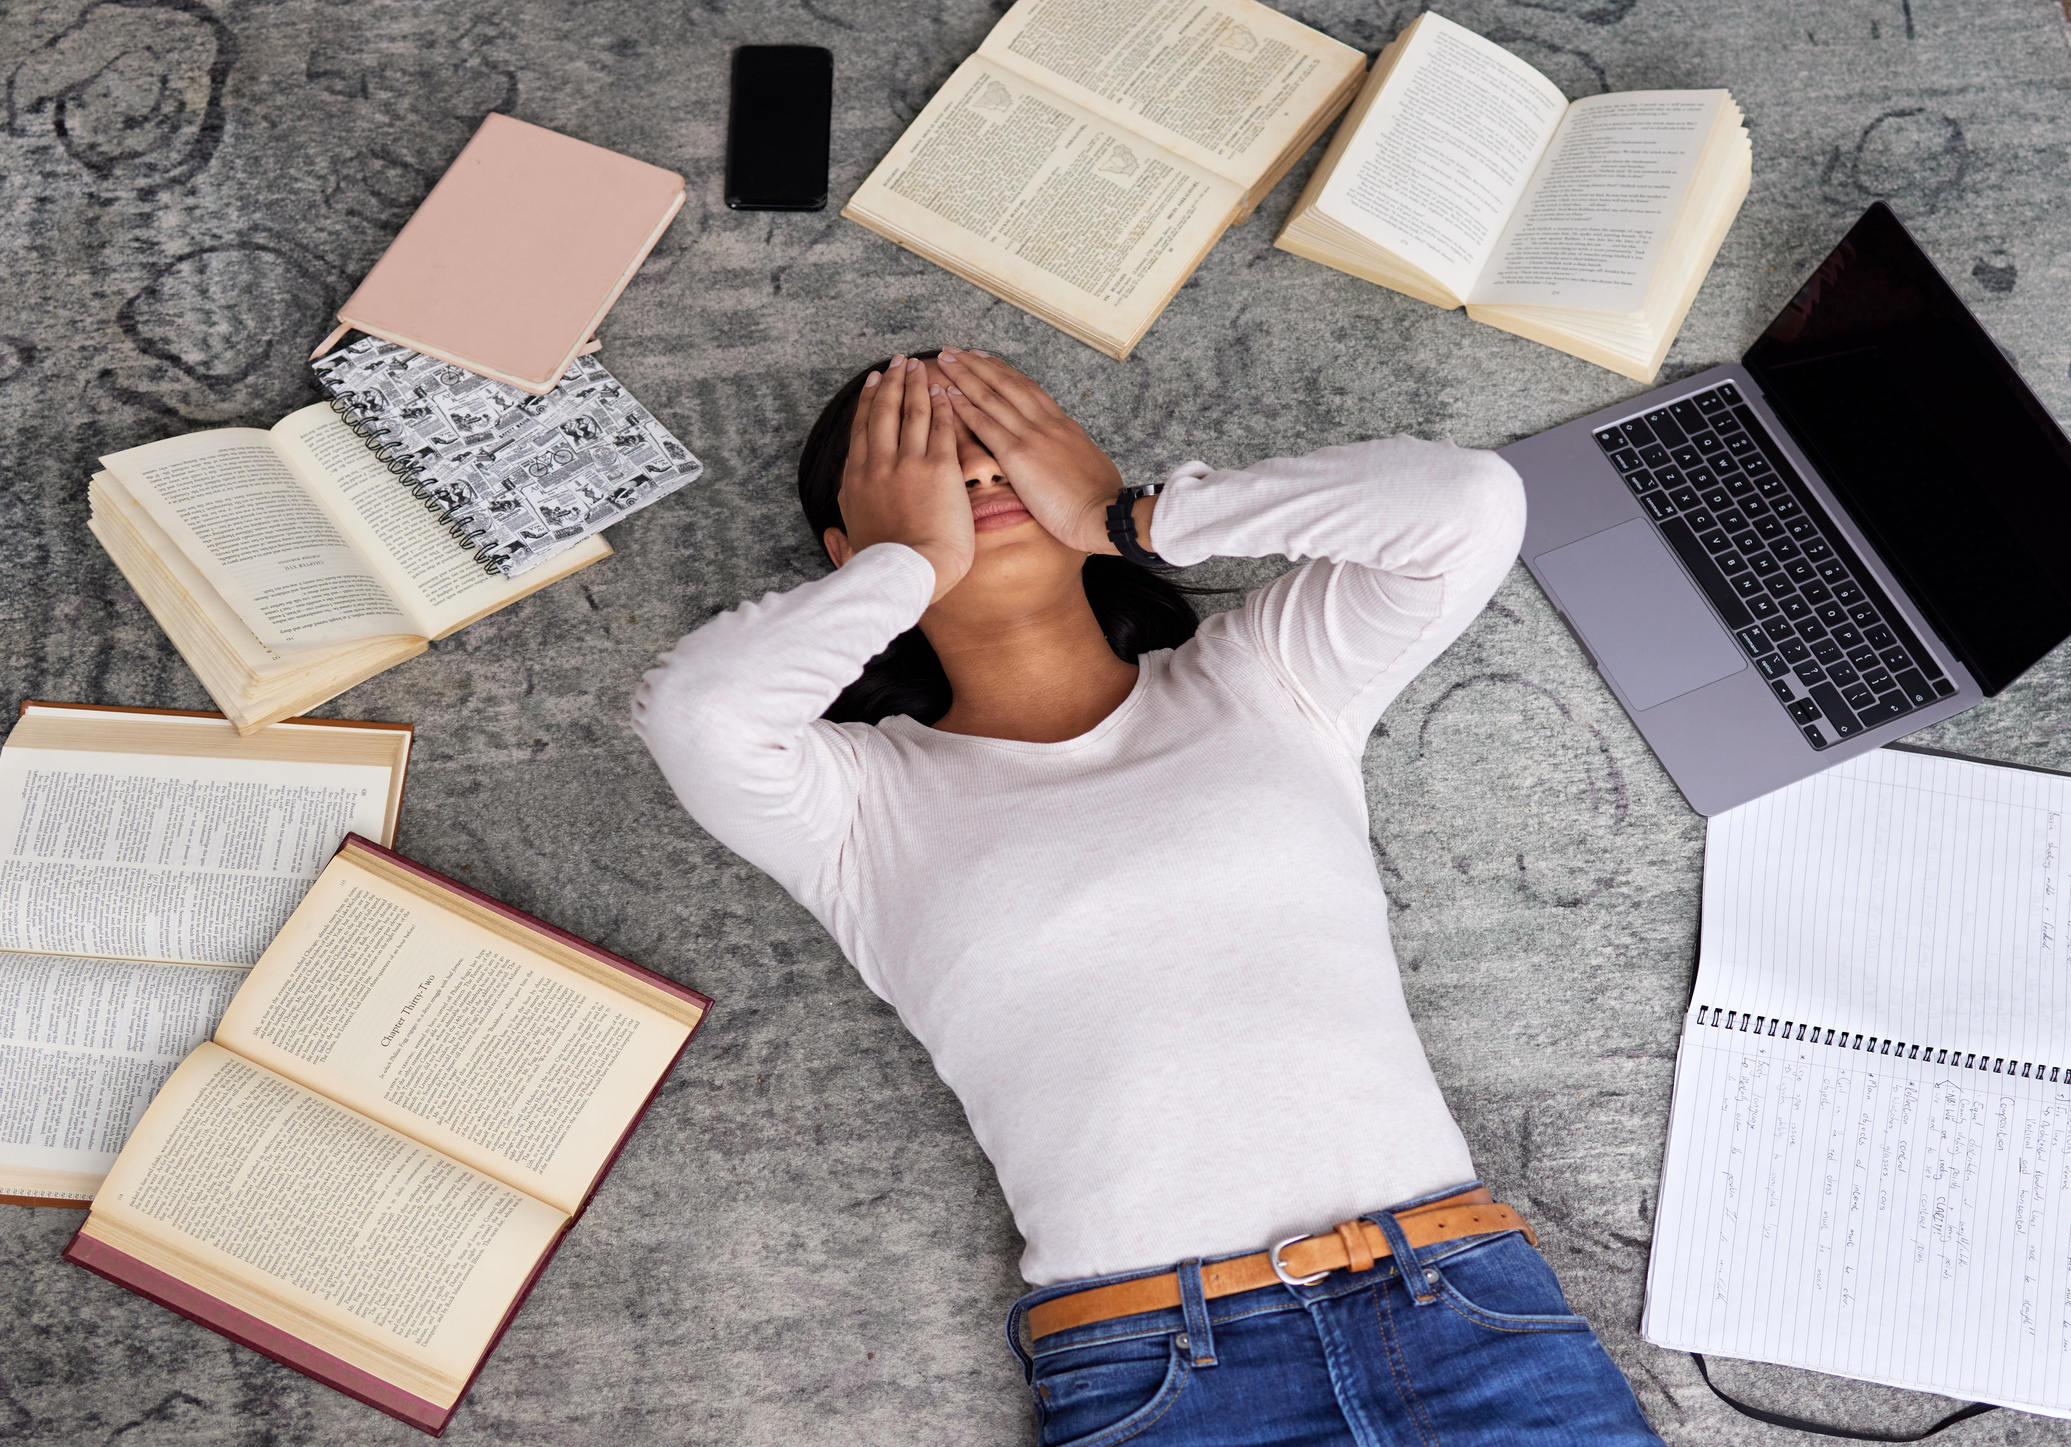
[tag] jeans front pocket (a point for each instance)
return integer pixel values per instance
(1506, 1285)
(1105, 1394)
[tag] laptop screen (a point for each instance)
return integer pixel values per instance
(1932, 442)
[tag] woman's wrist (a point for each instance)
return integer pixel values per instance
(1093, 533)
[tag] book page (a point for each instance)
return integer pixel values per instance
(172, 733)
(184, 859)
(1226, 85)
(1444, 152)
(234, 506)
(1593, 224)
(440, 584)
(327, 1218)
(421, 563)
(113, 507)
(1069, 214)
(84, 1046)
(459, 1037)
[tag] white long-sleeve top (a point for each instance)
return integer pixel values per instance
(1151, 961)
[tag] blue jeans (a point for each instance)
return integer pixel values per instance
(1476, 1346)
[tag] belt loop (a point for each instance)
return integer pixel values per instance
(1421, 1280)
(1014, 1320)
(1199, 1341)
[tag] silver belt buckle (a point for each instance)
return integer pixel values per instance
(1273, 1259)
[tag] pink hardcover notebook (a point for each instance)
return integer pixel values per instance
(516, 255)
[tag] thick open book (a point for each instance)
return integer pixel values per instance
(289, 564)
(1084, 161)
(1463, 177)
(411, 1099)
(147, 858)
(1869, 1153)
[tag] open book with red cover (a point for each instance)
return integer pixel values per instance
(410, 1101)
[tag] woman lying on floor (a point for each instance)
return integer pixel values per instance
(1112, 868)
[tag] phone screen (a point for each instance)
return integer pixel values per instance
(776, 137)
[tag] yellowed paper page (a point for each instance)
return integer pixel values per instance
(230, 502)
(141, 856)
(460, 1037)
(1226, 85)
(176, 735)
(107, 491)
(1443, 152)
(250, 683)
(84, 1045)
(438, 583)
(1603, 204)
(360, 1240)
(1046, 201)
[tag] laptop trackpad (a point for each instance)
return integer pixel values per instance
(1640, 614)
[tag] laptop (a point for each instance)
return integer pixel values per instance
(1861, 529)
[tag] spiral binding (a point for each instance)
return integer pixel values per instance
(412, 475)
(1745, 1022)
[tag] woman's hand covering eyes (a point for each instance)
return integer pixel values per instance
(1061, 476)
(902, 483)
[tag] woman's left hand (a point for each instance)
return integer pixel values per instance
(1061, 476)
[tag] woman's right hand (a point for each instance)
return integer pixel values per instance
(902, 483)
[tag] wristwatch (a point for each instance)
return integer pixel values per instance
(1121, 524)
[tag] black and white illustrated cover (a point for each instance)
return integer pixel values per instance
(518, 478)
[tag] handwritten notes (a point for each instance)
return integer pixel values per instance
(1869, 1171)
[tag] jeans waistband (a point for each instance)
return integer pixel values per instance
(1241, 1304)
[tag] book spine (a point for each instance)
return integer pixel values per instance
(413, 475)
(1745, 1022)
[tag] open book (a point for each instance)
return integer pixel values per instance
(147, 858)
(1084, 161)
(1463, 177)
(289, 564)
(1869, 1154)
(410, 1101)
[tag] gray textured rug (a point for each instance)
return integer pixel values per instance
(803, 1245)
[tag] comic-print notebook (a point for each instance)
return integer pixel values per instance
(1869, 1154)
(515, 477)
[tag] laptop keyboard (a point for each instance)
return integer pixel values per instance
(1839, 658)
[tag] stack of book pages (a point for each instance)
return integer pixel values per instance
(289, 564)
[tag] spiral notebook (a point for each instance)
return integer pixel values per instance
(516, 477)
(1869, 1154)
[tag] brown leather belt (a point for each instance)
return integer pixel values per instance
(1354, 1245)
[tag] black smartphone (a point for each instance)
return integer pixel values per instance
(776, 132)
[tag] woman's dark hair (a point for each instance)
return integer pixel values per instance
(1139, 611)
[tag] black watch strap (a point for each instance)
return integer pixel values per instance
(1121, 525)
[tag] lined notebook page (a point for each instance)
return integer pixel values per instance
(1869, 1162)
(1909, 896)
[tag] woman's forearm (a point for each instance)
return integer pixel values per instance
(1402, 505)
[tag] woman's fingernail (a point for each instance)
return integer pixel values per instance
(956, 392)
(913, 366)
(934, 390)
(871, 380)
(976, 353)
